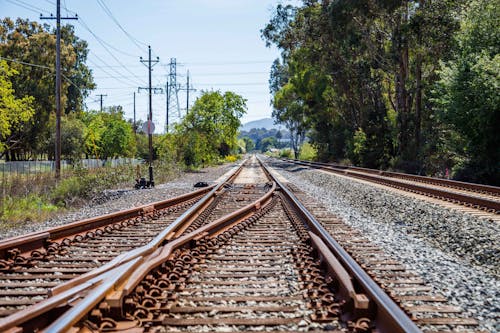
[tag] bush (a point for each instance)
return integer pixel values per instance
(231, 158)
(307, 152)
(286, 153)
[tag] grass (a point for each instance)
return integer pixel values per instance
(35, 199)
(19, 211)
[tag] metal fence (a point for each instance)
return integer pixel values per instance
(35, 167)
(22, 176)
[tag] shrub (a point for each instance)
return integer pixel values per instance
(20, 210)
(231, 158)
(307, 152)
(286, 153)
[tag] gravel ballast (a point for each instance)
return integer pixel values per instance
(454, 252)
(110, 201)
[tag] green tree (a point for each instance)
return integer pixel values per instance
(14, 112)
(72, 137)
(29, 42)
(210, 128)
(468, 93)
(108, 134)
(249, 144)
(269, 143)
(362, 65)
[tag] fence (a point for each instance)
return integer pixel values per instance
(34, 167)
(20, 176)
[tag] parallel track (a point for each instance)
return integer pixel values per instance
(254, 259)
(481, 197)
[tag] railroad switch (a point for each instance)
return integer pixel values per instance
(142, 183)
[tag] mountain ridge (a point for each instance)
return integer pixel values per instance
(267, 123)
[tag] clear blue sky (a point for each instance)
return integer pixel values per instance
(218, 41)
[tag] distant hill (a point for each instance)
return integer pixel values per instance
(267, 123)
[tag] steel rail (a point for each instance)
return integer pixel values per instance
(482, 188)
(390, 317)
(168, 233)
(490, 205)
(117, 287)
(72, 290)
(36, 240)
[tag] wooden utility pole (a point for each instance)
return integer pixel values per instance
(135, 126)
(150, 125)
(101, 96)
(58, 19)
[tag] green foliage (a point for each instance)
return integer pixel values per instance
(249, 144)
(307, 152)
(254, 137)
(108, 134)
(268, 143)
(286, 153)
(14, 112)
(242, 149)
(29, 208)
(209, 131)
(70, 188)
(31, 42)
(467, 93)
(358, 78)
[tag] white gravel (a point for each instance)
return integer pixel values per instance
(115, 200)
(458, 254)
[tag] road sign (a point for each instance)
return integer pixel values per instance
(148, 127)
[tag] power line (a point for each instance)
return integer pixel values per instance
(27, 6)
(43, 67)
(121, 78)
(113, 56)
(223, 63)
(86, 27)
(234, 84)
(110, 14)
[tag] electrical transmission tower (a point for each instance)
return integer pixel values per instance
(172, 98)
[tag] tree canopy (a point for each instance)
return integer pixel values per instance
(210, 129)
(14, 112)
(360, 78)
(30, 49)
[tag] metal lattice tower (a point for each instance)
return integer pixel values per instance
(173, 111)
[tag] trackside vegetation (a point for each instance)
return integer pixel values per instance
(410, 85)
(207, 135)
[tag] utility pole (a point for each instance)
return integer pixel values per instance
(188, 89)
(58, 19)
(135, 126)
(150, 125)
(101, 96)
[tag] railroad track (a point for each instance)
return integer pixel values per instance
(476, 196)
(254, 259)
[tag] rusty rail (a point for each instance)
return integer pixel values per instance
(384, 177)
(35, 240)
(389, 316)
(103, 279)
(114, 284)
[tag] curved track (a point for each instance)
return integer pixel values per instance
(254, 258)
